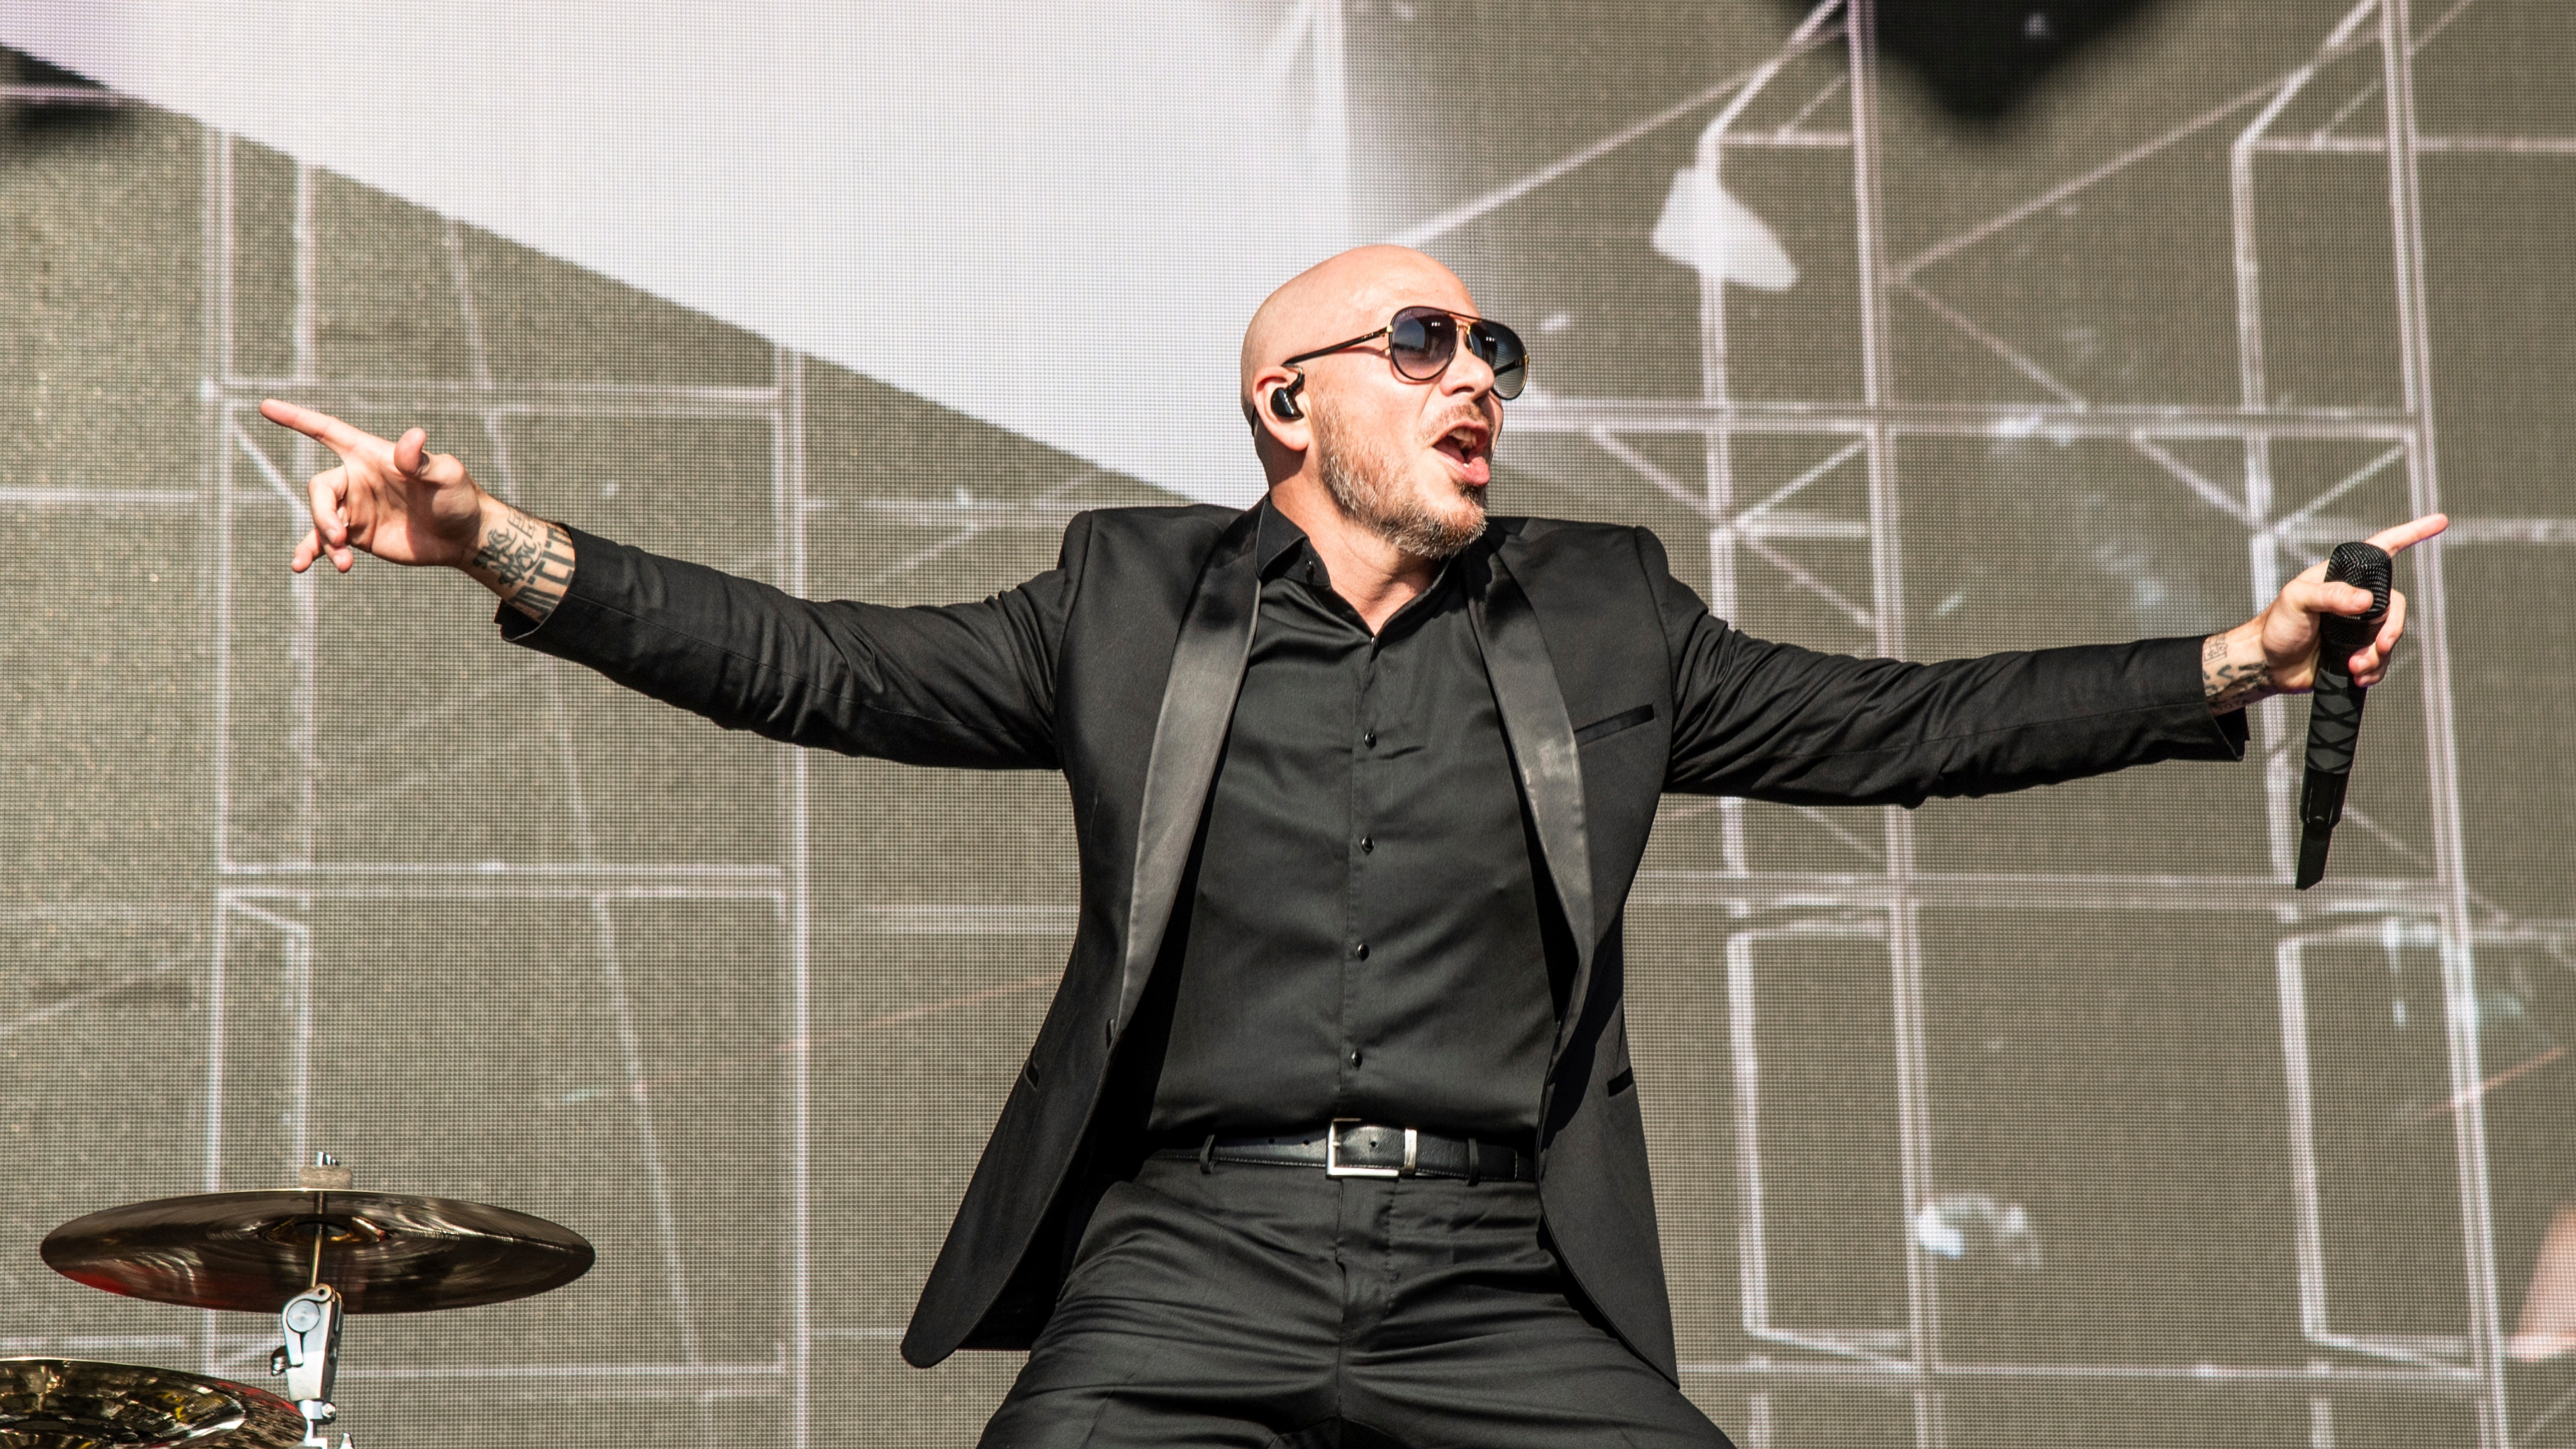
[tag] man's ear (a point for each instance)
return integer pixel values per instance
(1279, 409)
(1281, 442)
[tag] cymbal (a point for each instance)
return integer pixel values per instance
(251, 1251)
(61, 1403)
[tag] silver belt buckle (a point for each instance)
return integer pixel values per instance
(1333, 1153)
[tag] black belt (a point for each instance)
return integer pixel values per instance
(1352, 1148)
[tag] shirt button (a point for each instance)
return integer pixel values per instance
(1360, 950)
(1368, 739)
(1367, 844)
(1355, 1056)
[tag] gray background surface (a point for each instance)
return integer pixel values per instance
(2052, 1120)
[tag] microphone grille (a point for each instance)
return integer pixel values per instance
(2364, 567)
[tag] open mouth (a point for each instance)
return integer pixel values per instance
(1465, 448)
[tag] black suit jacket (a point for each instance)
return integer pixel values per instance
(1120, 668)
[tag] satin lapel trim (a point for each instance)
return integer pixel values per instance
(1543, 752)
(1189, 734)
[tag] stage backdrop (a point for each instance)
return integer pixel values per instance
(2046, 1121)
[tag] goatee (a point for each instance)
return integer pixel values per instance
(1370, 487)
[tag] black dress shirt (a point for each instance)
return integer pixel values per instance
(1361, 937)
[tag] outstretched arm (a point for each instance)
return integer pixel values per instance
(2275, 652)
(407, 505)
(968, 685)
(1771, 721)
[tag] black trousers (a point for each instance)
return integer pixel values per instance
(1274, 1306)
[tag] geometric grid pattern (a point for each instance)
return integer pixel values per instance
(2042, 1120)
(1801, 497)
(468, 918)
(615, 895)
(280, 887)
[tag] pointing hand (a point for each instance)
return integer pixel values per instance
(396, 500)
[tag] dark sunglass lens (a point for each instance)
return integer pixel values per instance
(1502, 351)
(1421, 341)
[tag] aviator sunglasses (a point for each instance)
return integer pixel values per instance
(1420, 341)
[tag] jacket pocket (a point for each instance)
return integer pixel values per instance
(1626, 719)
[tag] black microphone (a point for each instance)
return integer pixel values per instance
(2334, 710)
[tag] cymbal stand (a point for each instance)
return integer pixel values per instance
(310, 1358)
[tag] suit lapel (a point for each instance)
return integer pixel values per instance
(1543, 751)
(1189, 734)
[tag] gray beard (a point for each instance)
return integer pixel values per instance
(1370, 489)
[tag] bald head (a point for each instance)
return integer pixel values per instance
(1342, 296)
(1385, 471)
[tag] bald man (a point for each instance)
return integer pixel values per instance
(1330, 1136)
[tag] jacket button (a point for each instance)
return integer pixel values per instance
(1368, 739)
(1360, 950)
(1368, 844)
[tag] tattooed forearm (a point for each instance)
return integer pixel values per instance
(527, 561)
(2230, 682)
(510, 551)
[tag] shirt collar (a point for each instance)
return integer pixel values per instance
(1275, 539)
(1278, 543)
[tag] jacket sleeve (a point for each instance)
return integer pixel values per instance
(969, 686)
(1777, 722)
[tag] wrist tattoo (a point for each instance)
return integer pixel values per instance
(528, 562)
(2228, 685)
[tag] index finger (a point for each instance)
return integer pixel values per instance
(321, 427)
(2394, 541)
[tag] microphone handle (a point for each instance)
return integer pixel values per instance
(2334, 708)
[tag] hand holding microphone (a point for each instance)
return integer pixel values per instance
(2332, 629)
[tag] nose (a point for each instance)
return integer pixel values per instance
(1468, 373)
